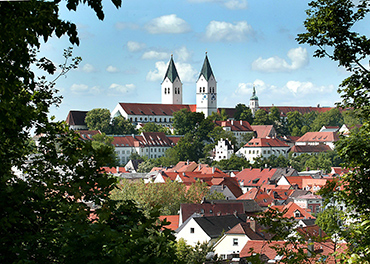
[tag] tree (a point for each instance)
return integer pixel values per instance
(215, 135)
(43, 218)
(234, 163)
(104, 143)
(194, 255)
(331, 118)
(247, 115)
(330, 27)
(260, 117)
(152, 127)
(121, 126)
(185, 121)
(98, 119)
(294, 123)
(215, 116)
(239, 109)
(189, 148)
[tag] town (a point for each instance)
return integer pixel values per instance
(252, 160)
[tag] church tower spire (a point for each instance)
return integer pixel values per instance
(253, 102)
(206, 90)
(171, 86)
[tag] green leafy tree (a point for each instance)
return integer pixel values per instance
(331, 118)
(330, 220)
(102, 142)
(122, 126)
(239, 109)
(247, 115)
(215, 116)
(185, 121)
(98, 119)
(331, 29)
(189, 148)
(234, 163)
(43, 218)
(294, 123)
(215, 135)
(152, 127)
(261, 118)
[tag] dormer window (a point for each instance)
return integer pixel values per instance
(297, 214)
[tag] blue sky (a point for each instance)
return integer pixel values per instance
(252, 42)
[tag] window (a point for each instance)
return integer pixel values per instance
(297, 214)
(204, 89)
(200, 89)
(235, 241)
(191, 230)
(168, 90)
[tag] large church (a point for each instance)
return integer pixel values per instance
(172, 101)
(172, 94)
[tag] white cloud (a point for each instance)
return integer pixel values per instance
(127, 88)
(169, 24)
(83, 88)
(77, 88)
(183, 54)
(149, 55)
(88, 68)
(224, 31)
(298, 57)
(186, 72)
(304, 88)
(134, 46)
(112, 69)
(247, 88)
(236, 4)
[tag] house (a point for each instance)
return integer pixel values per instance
(250, 207)
(310, 201)
(264, 131)
(345, 130)
(239, 128)
(150, 144)
(264, 148)
(251, 177)
(207, 228)
(260, 196)
(298, 150)
(317, 138)
(76, 120)
(233, 241)
(172, 219)
(293, 210)
(210, 209)
(223, 150)
(133, 165)
(329, 129)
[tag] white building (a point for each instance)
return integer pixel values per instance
(223, 150)
(263, 147)
(239, 128)
(317, 138)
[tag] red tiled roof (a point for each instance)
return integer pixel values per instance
(267, 248)
(339, 170)
(319, 137)
(254, 177)
(235, 125)
(297, 180)
(173, 219)
(114, 170)
(263, 131)
(291, 209)
(310, 148)
(154, 109)
(265, 142)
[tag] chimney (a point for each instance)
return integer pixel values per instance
(232, 122)
(117, 168)
(183, 174)
(241, 122)
(310, 247)
(213, 169)
(187, 162)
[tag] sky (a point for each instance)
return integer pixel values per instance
(248, 42)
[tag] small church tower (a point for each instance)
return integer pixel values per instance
(206, 90)
(253, 102)
(171, 85)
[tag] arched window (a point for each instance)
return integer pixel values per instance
(200, 89)
(204, 89)
(178, 91)
(135, 118)
(164, 119)
(165, 90)
(168, 90)
(160, 119)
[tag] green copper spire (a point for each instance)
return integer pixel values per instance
(254, 96)
(171, 71)
(206, 69)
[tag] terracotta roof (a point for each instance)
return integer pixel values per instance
(280, 194)
(297, 180)
(235, 125)
(229, 111)
(254, 177)
(263, 131)
(76, 118)
(339, 170)
(319, 137)
(245, 229)
(173, 219)
(155, 109)
(312, 232)
(266, 248)
(265, 142)
(147, 139)
(113, 170)
(291, 209)
(310, 148)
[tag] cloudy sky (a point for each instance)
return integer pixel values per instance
(249, 42)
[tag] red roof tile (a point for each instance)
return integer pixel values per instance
(254, 177)
(173, 219)
(264, 131)
(265, 142)
(235, 125)
(319, 137)
(154, 109)
(310, 148)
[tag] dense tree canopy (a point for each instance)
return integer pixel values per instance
(43, 218)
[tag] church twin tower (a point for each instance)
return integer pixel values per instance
(206, 93)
